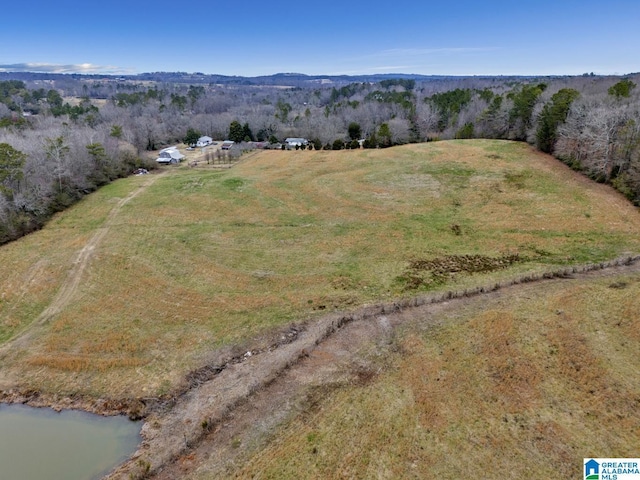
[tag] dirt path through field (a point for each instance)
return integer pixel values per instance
(70, 285)
(213, 425)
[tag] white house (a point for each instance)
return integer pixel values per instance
(295, 142)
(170, 155)
(204, 141)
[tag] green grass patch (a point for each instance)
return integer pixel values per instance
(207, 258)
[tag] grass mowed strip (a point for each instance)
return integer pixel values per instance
(33, 268)
(205, 259)
(533, 380)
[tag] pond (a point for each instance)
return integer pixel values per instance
(39, 443)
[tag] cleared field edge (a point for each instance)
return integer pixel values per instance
(180, 429)
(71, 283)
(345, 301)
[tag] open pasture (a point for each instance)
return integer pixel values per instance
(152, 275)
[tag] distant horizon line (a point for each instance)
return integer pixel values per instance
(4, 70)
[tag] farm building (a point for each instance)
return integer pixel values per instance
(169, 155)
(227, 144)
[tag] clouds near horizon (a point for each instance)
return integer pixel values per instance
(495, 37)
(83, 68)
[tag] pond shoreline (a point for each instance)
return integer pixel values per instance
(63, 445)
(135, 409)
(176, 424)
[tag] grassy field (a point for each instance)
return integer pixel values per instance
(202, 259)
(532, 381)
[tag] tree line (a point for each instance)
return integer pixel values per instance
(61, 139)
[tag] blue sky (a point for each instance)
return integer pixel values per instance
(463, 37)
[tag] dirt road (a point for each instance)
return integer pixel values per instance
(70, 285)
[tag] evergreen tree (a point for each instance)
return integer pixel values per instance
(247, 134)
(553, 114)
(236, 132)
(116, 131)
(384, 136)
(449, 104)
(466, 131)
(192, 136)
(355, 131)
(622, 89)
(11, 163)
(524, 102)
(371, 141)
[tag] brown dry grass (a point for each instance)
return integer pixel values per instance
(532, 381)
(205, 259)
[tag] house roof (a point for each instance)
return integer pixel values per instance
(170, 153)
(169, 149)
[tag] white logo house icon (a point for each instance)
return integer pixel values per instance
(591, 470)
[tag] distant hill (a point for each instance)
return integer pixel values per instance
(278, 79)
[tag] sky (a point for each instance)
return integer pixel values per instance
(253, 37)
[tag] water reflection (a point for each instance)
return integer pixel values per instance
(38, 443)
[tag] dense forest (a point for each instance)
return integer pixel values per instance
(63, 136)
